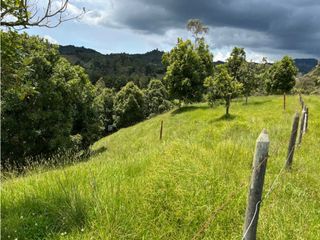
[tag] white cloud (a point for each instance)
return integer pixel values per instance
(50, 39)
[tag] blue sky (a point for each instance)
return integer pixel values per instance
(264, 28)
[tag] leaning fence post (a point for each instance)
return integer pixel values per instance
(161, 127)
(256, 186)
(301, 125)
(292, 141)
(300, 98)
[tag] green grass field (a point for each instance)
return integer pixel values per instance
(139, 187)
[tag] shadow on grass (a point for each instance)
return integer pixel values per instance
(256, 103)
(188, 109)
(36, 217)
(97, 151)
(224, 117)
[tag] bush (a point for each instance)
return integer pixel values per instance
(45, 100)
(156, 97)
(128, 106)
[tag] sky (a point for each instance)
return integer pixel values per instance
(270, 28)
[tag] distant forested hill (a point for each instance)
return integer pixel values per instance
(116, 69)
(305, 65)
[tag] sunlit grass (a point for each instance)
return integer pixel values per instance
(139, 187)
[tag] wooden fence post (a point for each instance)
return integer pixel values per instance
(256, 186)
(301, 125)
(284, 101)
(292, 141)
(300, 98)
(161, 127)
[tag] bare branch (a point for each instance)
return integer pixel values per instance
(27, 15)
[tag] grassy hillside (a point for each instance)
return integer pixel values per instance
(139, 187)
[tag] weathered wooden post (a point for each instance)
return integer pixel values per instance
(300, 98)
(161, 127)
(292, 141)
(284, 101)
(256, 186)
(301, 125)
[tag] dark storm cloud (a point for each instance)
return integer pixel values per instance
(276, 24)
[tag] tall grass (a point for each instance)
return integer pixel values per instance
(143, 188)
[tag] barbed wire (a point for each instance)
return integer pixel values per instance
(212, 216)
(270, 190)
(231, 197)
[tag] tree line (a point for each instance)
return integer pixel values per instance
(49, 105)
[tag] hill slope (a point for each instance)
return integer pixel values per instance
(305, 65)
(116, 69)
(310, 82)
(143, 188)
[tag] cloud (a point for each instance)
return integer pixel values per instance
(50, 39)
(289, 25)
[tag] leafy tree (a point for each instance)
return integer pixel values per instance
(42, 98)
(156, 97)
(27, 13)
(184, 76)
(235, 61)
(105, 98)
(248, 79)
(206, 58)
(282, 76)
(128, 106)
(222, 86)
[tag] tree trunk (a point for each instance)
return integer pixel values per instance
(227, 105)
(246, 99)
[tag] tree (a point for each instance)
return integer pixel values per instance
(156, 97)
(105, 98)
(235, 61)
(197, 28)
(282, 76)
(28, 13)
(206, 58)
(128, 105)
(222, 86)
(45, 101)
(184, 78)
(248, 79)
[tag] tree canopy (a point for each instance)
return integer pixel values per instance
(222, 86)
(44, 100)
(187, 67)
(128, 105)
(282, 76)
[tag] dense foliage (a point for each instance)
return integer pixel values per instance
(116, 70)
(45, 100)
(282, 76)
(187, 67)
(242, 71)
(129, 105)
(156, 98)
